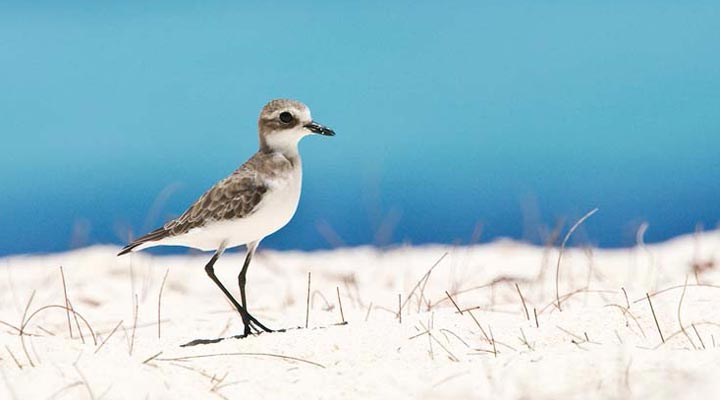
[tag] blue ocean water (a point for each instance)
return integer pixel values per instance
(116, 116)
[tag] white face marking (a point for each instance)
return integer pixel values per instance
(287, 139)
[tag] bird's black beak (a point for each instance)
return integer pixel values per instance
(314, 127)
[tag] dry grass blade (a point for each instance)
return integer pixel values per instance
(562, 250)
(454, 334)
(524, 340)
(537, 324)
(454, 303)
(682, 327)
(22, 329)
(367, 315)
(667, 289)
(627, 301)
(342, 314)
(280, 356)
(46, 331)
(9, 325)
(698, 336)
(307, 302)
(134, 328)
(553, 304)
(423, 333)
(679, 332)
(422, 279)
(162, 285)
(578, 337)
(108, 336)
(493, 341)
(54, 306)
(82, 337)
(522, 299)
(154, 356)
(627, 313)
(399, 313)
(479, 326)
(13, 357)
(67, 302)
(450, 354)
(655, 317)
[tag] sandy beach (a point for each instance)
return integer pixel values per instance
(504, 337)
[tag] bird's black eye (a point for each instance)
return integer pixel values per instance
(286, 117)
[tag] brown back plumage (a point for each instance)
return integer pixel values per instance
(234, 197)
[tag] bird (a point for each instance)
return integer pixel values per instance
(254, 201)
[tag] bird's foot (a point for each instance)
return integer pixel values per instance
(251, 323)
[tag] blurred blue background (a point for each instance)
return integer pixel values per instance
(115, 117)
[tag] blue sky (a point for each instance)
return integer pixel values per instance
(448, 115)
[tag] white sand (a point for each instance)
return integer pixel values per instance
(593, 348)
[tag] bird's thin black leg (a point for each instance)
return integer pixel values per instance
(210, 270)
(241, 282)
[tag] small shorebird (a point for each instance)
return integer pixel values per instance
(253, 202)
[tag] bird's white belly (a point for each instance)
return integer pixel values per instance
(272, 213)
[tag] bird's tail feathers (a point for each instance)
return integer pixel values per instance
(153, 236)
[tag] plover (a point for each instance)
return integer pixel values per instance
(253, 202)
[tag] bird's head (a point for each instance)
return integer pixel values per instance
(284, 122)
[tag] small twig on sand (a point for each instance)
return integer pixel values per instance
(162, 285)
(537, 324)
(655, 317)
(562, 250)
